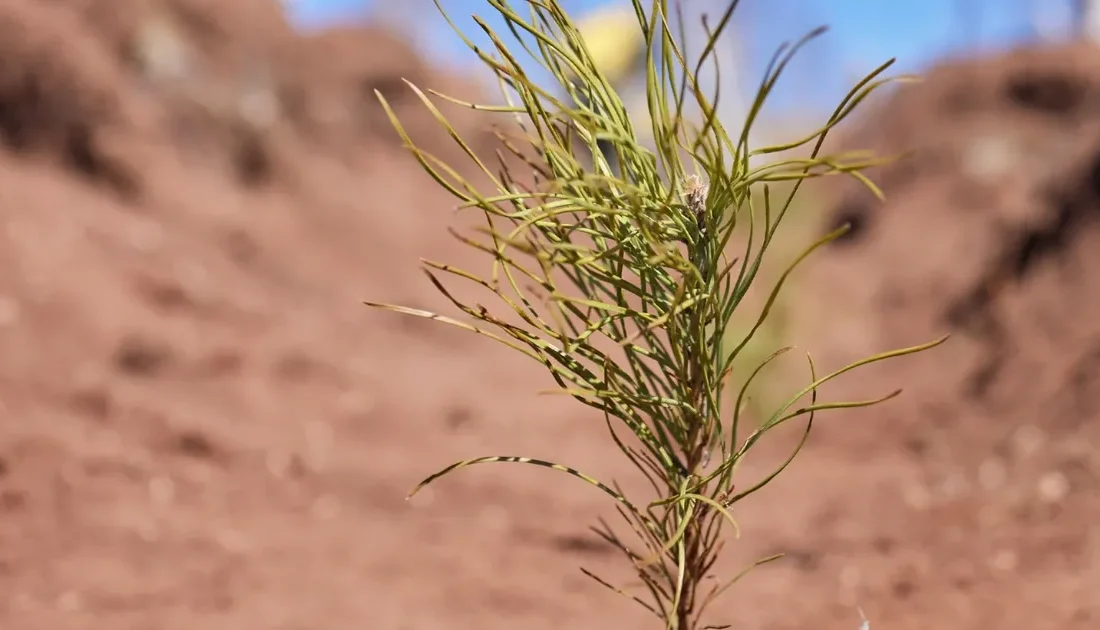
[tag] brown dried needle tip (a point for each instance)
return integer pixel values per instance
(695, 197)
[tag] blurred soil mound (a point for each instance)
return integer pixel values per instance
(990, 231)
(194, 201)
(225, 84)
(990, 218)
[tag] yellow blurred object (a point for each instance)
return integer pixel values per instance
(617, 49)
(614, 39)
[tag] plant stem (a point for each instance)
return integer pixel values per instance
(695, 559)
(685, 609)
(696, 445)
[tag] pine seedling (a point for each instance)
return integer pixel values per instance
(621, 280)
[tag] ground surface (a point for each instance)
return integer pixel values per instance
(200, 425)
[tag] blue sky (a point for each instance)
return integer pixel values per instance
(863, 33)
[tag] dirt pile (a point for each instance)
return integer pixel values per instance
(989, 232)
(199, 422)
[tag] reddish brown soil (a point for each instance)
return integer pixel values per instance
(201, 426)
